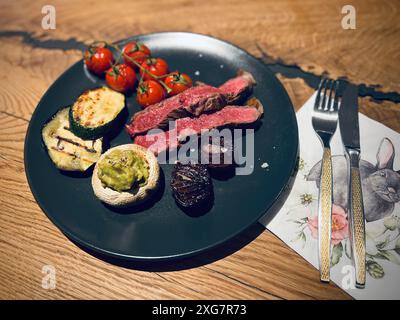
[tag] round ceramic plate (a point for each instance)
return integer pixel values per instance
(160, 230)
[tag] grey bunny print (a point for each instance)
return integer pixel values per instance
(380, 183)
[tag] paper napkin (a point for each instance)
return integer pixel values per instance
(296, 222)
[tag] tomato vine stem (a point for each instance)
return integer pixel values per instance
(121, 54)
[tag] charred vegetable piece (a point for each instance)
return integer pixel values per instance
(191, 185)
(95, 112)
(219, 153)
(66, 150)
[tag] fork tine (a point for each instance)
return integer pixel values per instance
(318, 99)
(324, 105)
(335, 105)
(329, 105)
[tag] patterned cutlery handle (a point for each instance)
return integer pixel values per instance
(324, 215)
(357, 220)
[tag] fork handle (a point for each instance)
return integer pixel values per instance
(324, 215)
(356, 216)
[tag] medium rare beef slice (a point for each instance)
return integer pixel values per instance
(238, 89)
(192, 102)
(230, 115)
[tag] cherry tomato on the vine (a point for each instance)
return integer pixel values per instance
(149, 92)
(136, 51)
(157, 66)
(98, 59)
(121, 78)
(178, 82)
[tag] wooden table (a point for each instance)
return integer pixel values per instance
(299, 40)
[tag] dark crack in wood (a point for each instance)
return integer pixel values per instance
(14, 116)
(277, 65)
(38, 42)
(292, 71)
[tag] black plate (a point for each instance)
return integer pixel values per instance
(161, 230)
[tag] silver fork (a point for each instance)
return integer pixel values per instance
(324, 121)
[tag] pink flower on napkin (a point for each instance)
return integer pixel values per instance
(340, 225)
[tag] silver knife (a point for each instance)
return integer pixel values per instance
(349, 130)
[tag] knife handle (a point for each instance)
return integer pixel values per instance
(356, 217)
(324, 215)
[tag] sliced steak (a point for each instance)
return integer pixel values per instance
(236, 90)
(192, 102)
(184, 127)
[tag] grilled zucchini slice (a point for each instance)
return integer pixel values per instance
(95, 112)
(66, 150)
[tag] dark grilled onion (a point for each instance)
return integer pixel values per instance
(191, 185)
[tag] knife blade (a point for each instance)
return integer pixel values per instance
(348, 118)
(349, 130)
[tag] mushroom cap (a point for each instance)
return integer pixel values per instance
(136, 195)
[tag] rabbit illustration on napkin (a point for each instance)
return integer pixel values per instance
(380, 183)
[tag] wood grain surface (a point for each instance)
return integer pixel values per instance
(299, 40)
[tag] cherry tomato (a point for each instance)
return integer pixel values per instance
(136, 51)
(98, 59)
(149, 92)
(156, 66)
(178, 82)
(121, 78)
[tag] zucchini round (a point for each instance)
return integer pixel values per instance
(67, 151)
(96, 112)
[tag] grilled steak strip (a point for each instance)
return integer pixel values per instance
(236, 90)
(192, 102)
(184, 127)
